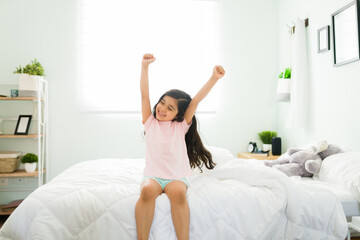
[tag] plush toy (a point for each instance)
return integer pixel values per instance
(304, 162)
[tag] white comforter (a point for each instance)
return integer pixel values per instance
(238, 200)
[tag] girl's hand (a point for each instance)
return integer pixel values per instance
(147, 59)
(218, 72)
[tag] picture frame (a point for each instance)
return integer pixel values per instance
(345, 26)
(23, 125)
(323, 35)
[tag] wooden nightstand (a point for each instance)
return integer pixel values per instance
(247, 155)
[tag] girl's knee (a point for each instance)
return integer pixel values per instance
(149, 192)
(177, 195)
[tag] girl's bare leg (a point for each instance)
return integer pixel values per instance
(176, 192)
(145, 207)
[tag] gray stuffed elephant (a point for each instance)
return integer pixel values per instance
(305, 163)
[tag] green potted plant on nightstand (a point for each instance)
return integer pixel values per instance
(266, 137)
(30, 77)
(29, 160)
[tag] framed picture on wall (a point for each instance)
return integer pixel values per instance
(345, 24)
(23, 125)
(323, 35)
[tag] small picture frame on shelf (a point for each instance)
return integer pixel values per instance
(23, 125)
(323, 35)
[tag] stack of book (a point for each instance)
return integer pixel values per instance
(261, 154)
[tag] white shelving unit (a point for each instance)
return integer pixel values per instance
(41, 136)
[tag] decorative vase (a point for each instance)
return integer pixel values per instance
(30, 167)
(266, 147)
(29, 85)
(283, 89)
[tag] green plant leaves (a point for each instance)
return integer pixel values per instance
(29, 158)
(18, 69)
(287, 73)
(266, 136)
(33, 68)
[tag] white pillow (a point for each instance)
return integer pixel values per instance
(219, 154)
(343, 169)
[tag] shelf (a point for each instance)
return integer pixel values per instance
(20, 173)
(19, 136)
(19, 98)
(40, 135)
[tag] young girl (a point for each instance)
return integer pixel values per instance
(173, 147)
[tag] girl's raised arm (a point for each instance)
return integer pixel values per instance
(218, 72)
(144, 86)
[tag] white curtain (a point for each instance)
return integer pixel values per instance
(298, 109)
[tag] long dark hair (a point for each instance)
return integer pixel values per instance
(197, 153)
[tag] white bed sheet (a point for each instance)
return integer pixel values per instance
(237, 200)
(350, 205)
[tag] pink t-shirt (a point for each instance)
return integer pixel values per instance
(166, 152)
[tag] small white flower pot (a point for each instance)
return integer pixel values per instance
(29, 84)
(266, 147)
(30, 167)
(283, 89)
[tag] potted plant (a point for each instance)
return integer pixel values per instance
(283, 87)
(266, 137)
(30, 78)
(29, 160)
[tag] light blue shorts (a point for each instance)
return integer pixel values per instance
(163, 182)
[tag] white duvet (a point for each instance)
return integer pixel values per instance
(237, 200)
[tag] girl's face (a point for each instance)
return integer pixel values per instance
(167, 109)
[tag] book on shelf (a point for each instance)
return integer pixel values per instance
(12, 205)
(9, 209)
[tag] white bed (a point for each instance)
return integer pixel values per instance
(340, 174)
(349, 203)
(239, 199)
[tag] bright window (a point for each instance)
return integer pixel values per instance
(114, 35)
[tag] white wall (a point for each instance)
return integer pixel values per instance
(334, 114)
(47, 30)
